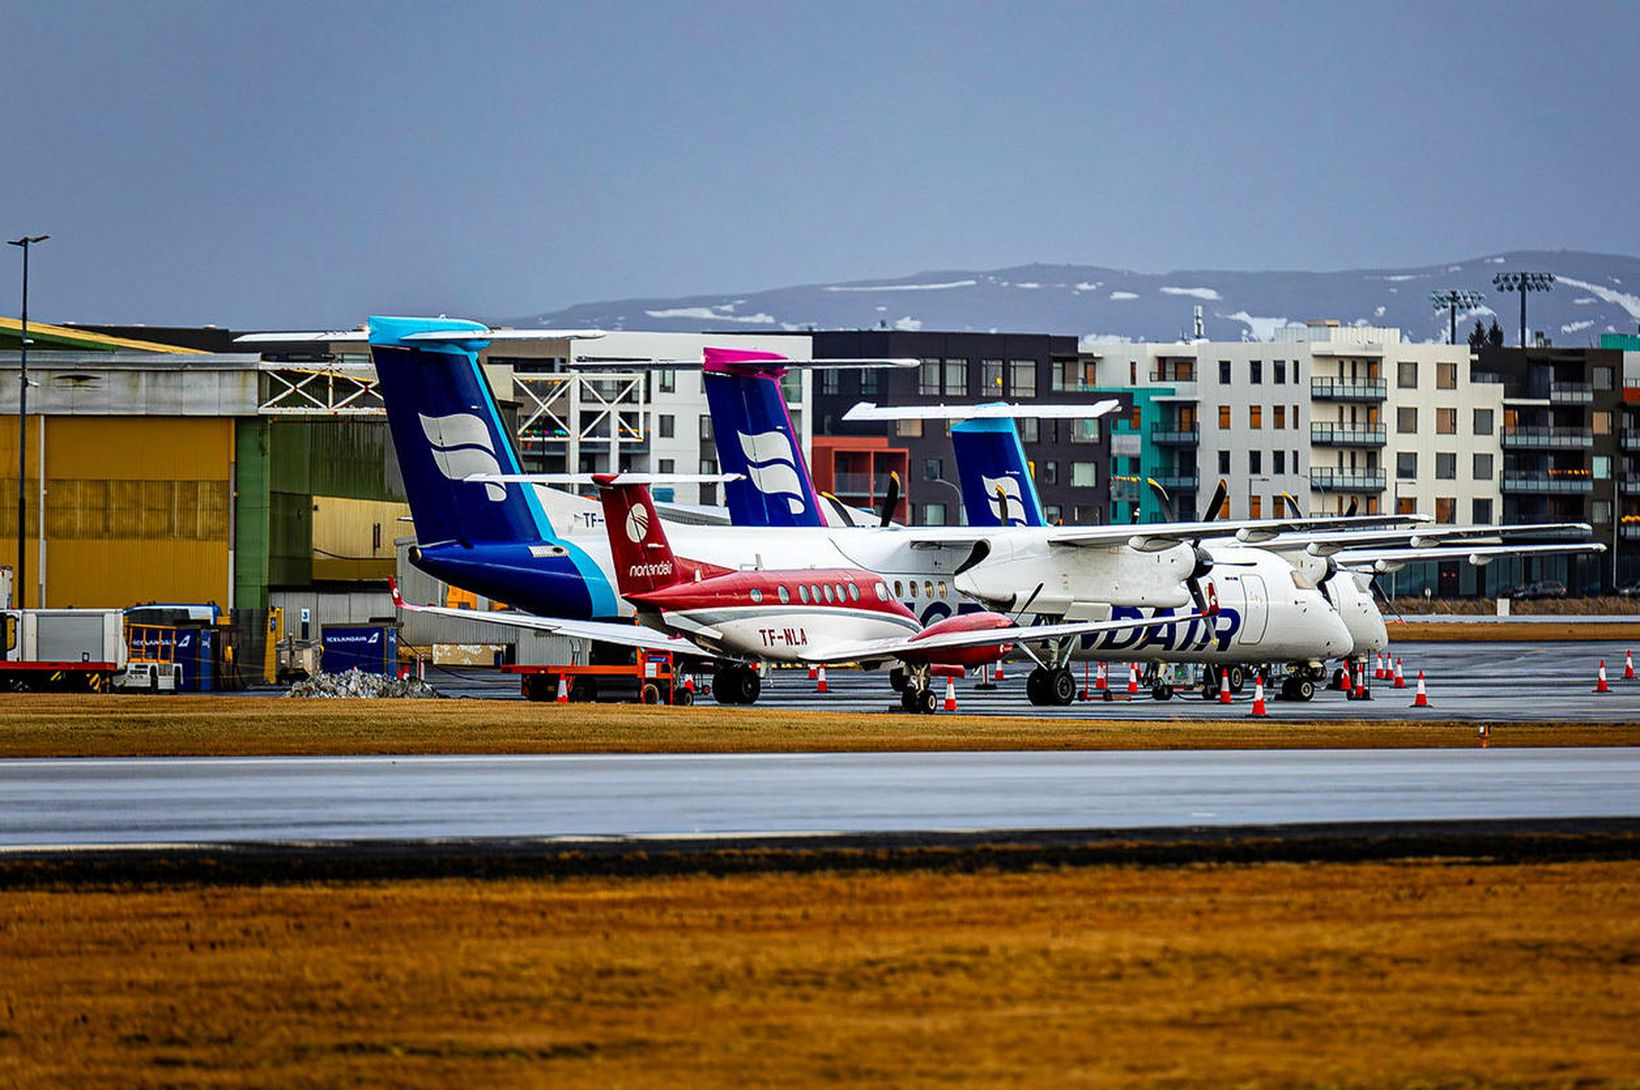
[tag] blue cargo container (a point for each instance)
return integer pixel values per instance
(196, 653)
(372, 649)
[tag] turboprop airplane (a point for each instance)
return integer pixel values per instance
(817, 616)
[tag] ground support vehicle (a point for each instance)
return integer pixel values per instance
(652, 676)
(62, 650)
(151, 664)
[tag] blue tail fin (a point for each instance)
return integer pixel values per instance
(755, 438)
(445, 426)
(991, 462)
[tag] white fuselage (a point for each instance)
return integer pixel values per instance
(794, 634)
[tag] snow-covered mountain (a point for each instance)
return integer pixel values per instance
(1594, 294)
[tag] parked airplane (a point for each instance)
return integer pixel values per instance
(795, 615)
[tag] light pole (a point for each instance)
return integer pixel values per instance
(1524, 282)
(25, 243)
(1450, 300)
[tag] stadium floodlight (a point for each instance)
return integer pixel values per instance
(21, 582)
(1524, 282)
(1450, 300)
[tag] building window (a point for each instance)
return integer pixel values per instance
(1030, 429)
(1406, 376)
(1406, 465)
(1053, 514)
(1280, 376)
(829, 381)
(1446, 466)
(1483, 421)
(1085, 430)
(1406, 420)
(1255, 417)
(1224, 418)
(705, 429)
(666, 382)
(956, 378)
(1406, 505)
(870, 382)
(1281, 418)
(1084, 474)
(1255, 462)
(1278, 461)
(1446, 376)
(933, 514)
(1446, 510)
(1602, 378)
(1483, 467)
(1602, 422)
(1136, 418)
(667, 465)
(1255, 506)
(1050, 472)
(1224, 372)
(1602, 467)
(666, 425)
(910, 429)
(709, 489)
(928, 378)
(1602, 513)
(1022, 378)
(1224, 463)
(1480, 512)
(990, 378)
(1255, 372)
(1446, 421)
(933, 469)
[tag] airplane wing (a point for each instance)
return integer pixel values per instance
(437, 335)
(1014, 634)
(993, 410)
(1147, 537)
(1327, 543)
(623, 635)
(1388, 560)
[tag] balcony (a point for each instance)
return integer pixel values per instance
(1542, 438)
(1347, 480)
(1629, 484)
(1570, 393)
(1347, 389)
(1630, 439)
(1179, 484)
(1184, 437)
(1546, 484)
(1630, 531)
(1347, 435)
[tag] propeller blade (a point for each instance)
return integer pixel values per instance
(1167, 501)
(1292, 502)
(891, 500)
(1216, 503)
(1020, 612)
(1002, 507)
(1355, 505)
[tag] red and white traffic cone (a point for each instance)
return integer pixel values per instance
(1628, 666)
(689, 683)
(950, 694)
(1361, 690)
(1600, 685)
(814, 672)
(1484, 734)
(998, 676)
(1100, 681)
(820, 681)
(563, 690)
(1378, 671)
(1133, 679)
(1258, 697)
(1421, 698)
(1400, 678)
(1224, 686)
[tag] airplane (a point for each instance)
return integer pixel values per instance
(815, 616)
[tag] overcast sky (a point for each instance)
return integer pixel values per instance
(293, 164)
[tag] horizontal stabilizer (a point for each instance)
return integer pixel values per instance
(994, 410)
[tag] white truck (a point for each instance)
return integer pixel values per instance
(63, 650)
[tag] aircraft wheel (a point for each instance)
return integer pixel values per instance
(927, 701)
(1162, 692)
(1238, 678)
(650, 694)
(1304, 689)
(1210, 687)
(751, 685)
(726, 684)
(896, 679)
(908, 698)
(1036, 686)
(1061, 688)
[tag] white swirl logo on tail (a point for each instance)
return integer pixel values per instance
(1009, 487)
(637, 524)
(461, 447)
(771, 466)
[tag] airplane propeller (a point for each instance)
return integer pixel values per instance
(891, 500)
(1020, 612)
(1216, 503)
(1166, 500)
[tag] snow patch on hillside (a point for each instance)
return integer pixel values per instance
(712, 314)
(1573, 327)
(1121, 295)
(1259, 329)
(902, 287)
(1630, 303)
(1195, 293)
(908, 324)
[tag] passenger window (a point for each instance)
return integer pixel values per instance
(853, 593)
(942, 588)
(882, 592)
(827, 589)
(757, 595)
(842, 595)
(781, 592)
(928, 588)
(803, 593)
(898, 591)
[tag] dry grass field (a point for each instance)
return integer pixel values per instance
(108, 726)
(1418, 974)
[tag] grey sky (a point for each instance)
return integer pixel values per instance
(302, 163)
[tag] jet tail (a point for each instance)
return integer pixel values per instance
(756, 439)
(638, 546)
(997, 489)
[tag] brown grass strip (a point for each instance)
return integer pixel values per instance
(1422, 974)
(1512, 631)
(118, 726)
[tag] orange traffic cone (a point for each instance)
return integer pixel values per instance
(950, 694)
(1628, 666)
(1133, 678)
(1378, 672)
(1258, 697)
(1484, 733)
(814, 672)
(1224, 686)
(1099, 681)
(1361, 690)
(563, 690)
(1600, 685)
(1400, 678)
(998, 676)
(820, 682)
(1421, 699)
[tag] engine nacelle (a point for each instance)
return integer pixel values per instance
(1074, 575)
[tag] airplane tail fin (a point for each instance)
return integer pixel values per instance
(997, 489)
(637, 542)
(445, 426)
(755, 438)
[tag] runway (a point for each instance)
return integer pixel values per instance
(1491, 682)
(224, 800)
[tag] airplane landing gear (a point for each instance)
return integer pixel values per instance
(1298, 688)
(918, 699)
(1050, 687)
(736, 683)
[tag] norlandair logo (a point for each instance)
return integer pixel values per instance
(461, 447)
(637, 524)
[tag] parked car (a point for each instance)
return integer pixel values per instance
(1632, 590)
(1543, 588)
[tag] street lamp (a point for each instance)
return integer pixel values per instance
(25, 243)
(1450, 300)
(1524, 282)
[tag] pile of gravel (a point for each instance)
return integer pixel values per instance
(356, 684)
